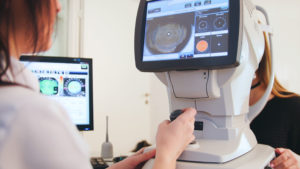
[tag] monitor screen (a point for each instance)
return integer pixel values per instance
(69, 82)
(186, 29)
(186, 34)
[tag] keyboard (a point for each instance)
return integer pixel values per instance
(98, 163)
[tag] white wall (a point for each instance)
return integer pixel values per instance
(159, 105)
(284, 17)
(119, 89)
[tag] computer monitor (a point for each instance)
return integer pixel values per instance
(69, 81)
(187, 35)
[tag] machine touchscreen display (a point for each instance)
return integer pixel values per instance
(186, 29)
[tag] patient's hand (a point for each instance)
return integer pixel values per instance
(286, 160)
(172, 138)
(135, 161)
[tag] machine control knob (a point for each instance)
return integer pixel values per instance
(175, 114)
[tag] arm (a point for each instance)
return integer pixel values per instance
(171, 140)
(135, 161)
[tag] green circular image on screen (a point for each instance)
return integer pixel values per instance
(48, 86)
(74, 87)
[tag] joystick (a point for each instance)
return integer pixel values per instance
(175, 114)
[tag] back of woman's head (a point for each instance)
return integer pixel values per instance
(25, 27)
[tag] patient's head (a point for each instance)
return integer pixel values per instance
(25, 27)
(263, 75)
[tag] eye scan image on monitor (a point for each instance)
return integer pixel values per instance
(187, 35)
(186, 29)
(69, 82)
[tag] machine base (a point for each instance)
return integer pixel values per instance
(258, 158)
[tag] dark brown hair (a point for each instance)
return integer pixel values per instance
(37, 9)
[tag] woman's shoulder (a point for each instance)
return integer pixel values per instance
(293, 100)
(21, 100)
(45, 128)
(37, 113)
(289, 104)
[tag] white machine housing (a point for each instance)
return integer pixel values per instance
(221, 97)
(219, 92)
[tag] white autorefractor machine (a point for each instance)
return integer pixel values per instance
(206, 52)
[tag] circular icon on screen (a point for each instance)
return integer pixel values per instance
(202, 46)
(219, 23)
(74, 87)
(48, 86)
(203, 25)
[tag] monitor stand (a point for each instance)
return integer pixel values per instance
(258, 158)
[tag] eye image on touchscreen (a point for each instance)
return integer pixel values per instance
(177, 29)
(74, 87)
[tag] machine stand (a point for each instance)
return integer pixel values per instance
(258, 158)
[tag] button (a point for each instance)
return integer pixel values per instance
(198, 125)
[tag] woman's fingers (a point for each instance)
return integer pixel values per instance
(280, 159)
(286, 160)
(286, 164)
(188, 115)
(145, 156)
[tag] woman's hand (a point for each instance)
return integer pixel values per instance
(171, 140)
(173, 137)
(286, 160)
(135, 161)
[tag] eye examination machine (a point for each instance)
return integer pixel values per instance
(206, 53)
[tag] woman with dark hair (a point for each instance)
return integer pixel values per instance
(36, 133)
(278, 124)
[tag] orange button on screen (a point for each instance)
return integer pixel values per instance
(202, 46)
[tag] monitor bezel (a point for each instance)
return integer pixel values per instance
(231, 60)
(89, 61)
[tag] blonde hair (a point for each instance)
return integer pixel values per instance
(264, 72)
